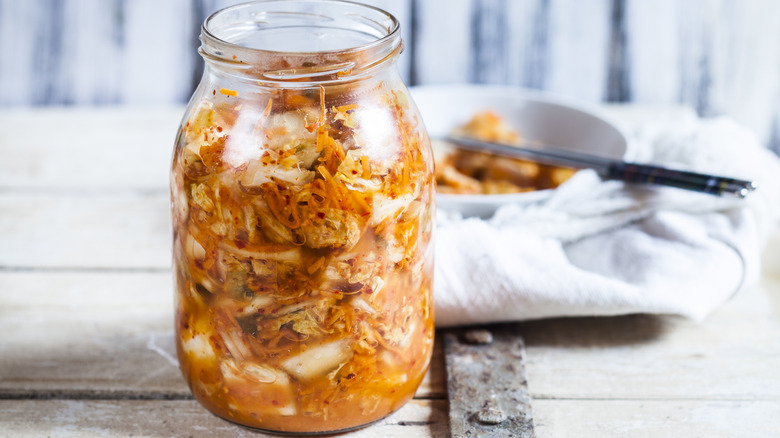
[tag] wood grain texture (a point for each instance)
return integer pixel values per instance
(182, 418)
(442, 42)
(656, 418)
(95, 52)
(88, 335)
(578, 46)
(104, 231)
(730, 356)
(555, 418)
(718, 56)
(88, 149)
(770, 273)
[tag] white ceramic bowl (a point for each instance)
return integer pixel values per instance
(535, 115)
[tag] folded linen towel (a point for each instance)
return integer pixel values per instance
(608, 248)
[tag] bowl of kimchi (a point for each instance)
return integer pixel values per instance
(476, 184)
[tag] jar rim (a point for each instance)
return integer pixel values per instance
(380, 28)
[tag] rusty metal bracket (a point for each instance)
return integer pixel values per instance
(487, 383)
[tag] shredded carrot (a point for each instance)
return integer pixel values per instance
(318, 188)
(360, 200)
(326, 175)
(345, 108)
(334, 189)
(322, 138)
(408, 148)
(228, 92)
(296, 100)
(282, 205)
(314, 267)
(334, 152)
(338, 151)
(366, 167)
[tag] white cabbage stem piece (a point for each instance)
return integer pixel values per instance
(319, 360)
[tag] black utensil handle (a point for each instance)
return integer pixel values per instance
(648, 174)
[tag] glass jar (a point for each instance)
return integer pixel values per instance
(303, 202)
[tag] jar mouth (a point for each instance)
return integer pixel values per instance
(294, 40)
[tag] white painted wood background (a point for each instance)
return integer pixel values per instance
(718, 56)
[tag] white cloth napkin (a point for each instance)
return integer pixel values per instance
(607, 248)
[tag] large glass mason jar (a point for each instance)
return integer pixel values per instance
(303, 206)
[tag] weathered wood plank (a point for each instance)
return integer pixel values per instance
(438, 61)
(721, 56)
(157, 67)
(95, 52)
(578, 44)
(402, 11)
(654, 46)
(110, 333)
(770, 272)
(101, 335)
(87, 149)
(88, 334)
(94, 231)
(423, 418)
(17, 51)
(101, 52)
(707, 54)
(733, 355)
(88, 67)
(181, 418)
(656, 418)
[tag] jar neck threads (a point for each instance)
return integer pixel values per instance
(300, 41)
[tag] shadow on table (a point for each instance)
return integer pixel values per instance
(589, 331)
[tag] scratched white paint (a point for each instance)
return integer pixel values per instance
(579, 35)
(750, 74)
(16, 51)
(442, 42)
(159, 59)
(91, 56)
(718, 56)
(401, 10)
(655, 50)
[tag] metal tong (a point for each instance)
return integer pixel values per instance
(614, 169)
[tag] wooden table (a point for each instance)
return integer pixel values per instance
(87, 332)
